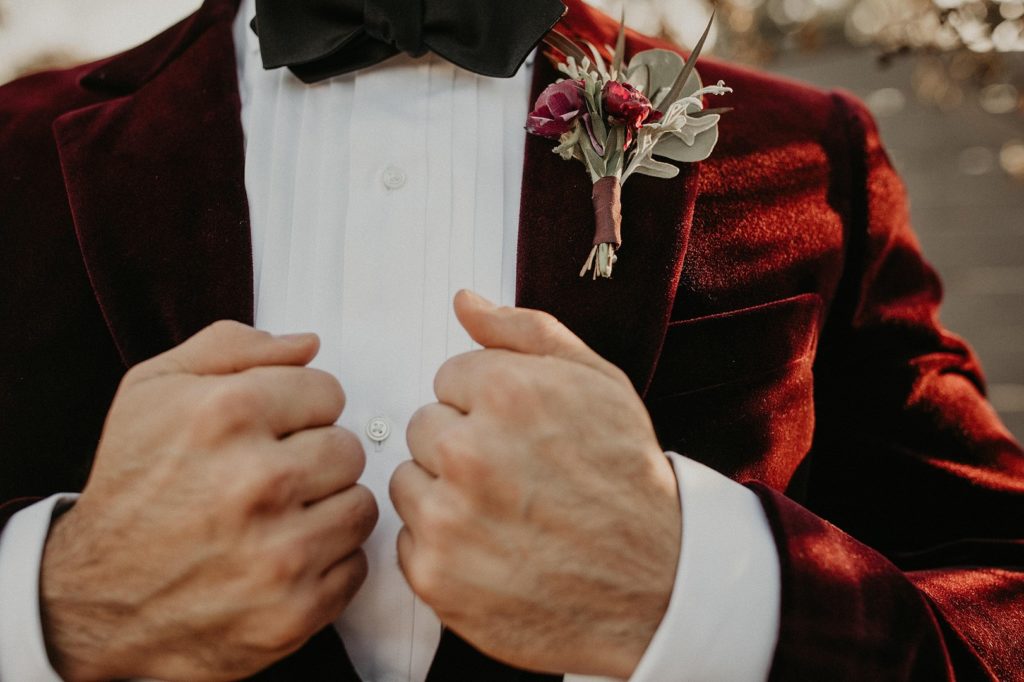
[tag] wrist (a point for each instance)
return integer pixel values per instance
(79, 626)
(624, 658)
(631, 636)
(618, 651)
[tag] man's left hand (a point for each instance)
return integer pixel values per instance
(542, 519)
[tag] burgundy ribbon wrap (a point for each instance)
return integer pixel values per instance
(607, 197)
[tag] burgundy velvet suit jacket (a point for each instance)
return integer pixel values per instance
(771, 305)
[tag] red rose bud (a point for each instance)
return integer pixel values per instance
(556, 110)
(627, 106)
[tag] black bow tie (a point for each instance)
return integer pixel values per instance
(318, 39)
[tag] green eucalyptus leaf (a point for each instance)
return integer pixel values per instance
(566, 149)
(614, 154)
(657, 169)
(599, 62)
(640, 78)
(594, 161)
(593, 102)
(658, 69)
(673, 147)
(595, 105)
(600, 129)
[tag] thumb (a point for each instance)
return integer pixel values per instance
(228, 347)
(525, 331)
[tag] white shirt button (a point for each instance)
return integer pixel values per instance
(394, 177)
(378, 429)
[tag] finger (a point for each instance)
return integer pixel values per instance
(331, 459)
(462, 379)
(338, 585)
(524, 331)
(410, 486)
(428, 429)
(406, 547)
(338, 525)
(290, 399)
(227, 347)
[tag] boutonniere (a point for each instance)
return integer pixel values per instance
(617, 117)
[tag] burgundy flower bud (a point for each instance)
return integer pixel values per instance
(556, 110)
(626, 105)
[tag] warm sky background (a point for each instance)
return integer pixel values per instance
(94, 27)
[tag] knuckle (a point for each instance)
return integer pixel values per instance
(135, 374)
(364, 513)
(397, 484)
(457, 453)
(237, 493)
(230, 405)
(287, 563)
(226, 329)
(504, 385)
(331, 395)
(269, 487)
(416, 424)
(336, 391)
(442, 379)
(426, 575)
(618, 375)
(497, 366)
(289, 629)
(357, 568)
(277, 487)
(350, 575)
(439, 522)
(346, 445)
(544, 326)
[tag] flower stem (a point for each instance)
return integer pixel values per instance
(607, 198)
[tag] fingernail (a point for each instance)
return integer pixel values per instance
(295, 338)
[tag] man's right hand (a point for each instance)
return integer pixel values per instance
(221, 525)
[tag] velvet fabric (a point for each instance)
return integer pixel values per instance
(771, 304)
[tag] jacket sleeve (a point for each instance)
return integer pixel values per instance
(925, 581)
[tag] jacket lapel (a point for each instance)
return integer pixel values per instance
(155, 180)
(625, 318)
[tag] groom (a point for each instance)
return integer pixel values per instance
(753, 452)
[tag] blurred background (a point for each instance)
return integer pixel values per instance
(945, 78)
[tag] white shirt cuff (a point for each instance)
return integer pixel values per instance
(722, 621)
(22, 645)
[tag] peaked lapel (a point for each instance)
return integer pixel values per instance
(624, 318)
(155, 180)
